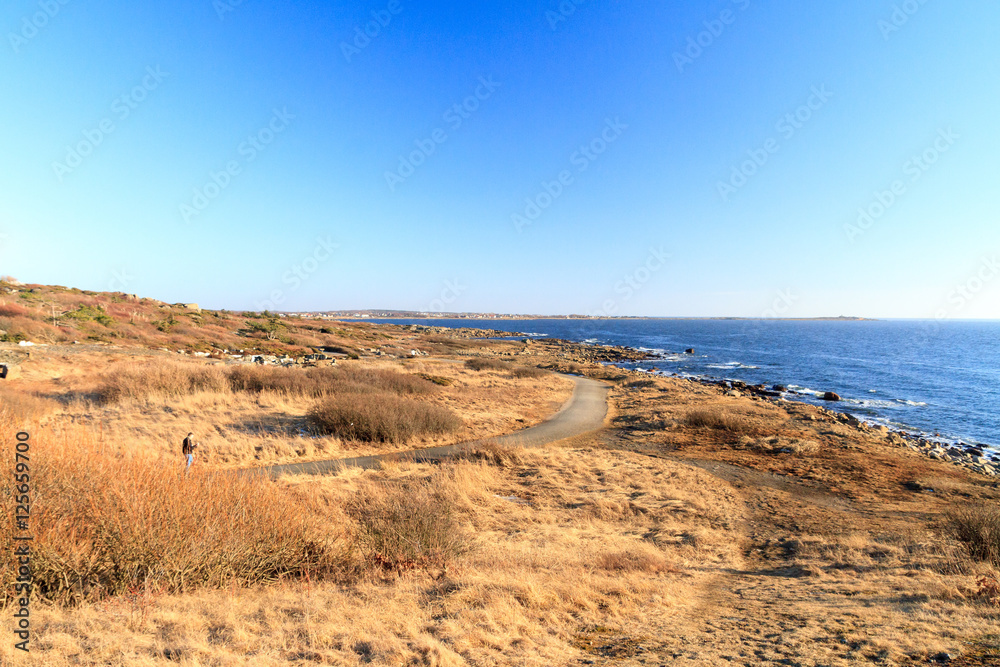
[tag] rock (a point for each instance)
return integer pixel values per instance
(831, 396)
(690, 350)
(780, 388)
(9, 371)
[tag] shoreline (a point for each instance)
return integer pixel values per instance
(982, 458)
(935, 445)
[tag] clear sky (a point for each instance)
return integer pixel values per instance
(643, 158)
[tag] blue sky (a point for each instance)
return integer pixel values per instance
(663, 159)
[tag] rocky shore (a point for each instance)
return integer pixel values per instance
(969, 456)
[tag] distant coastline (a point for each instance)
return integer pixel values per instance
(409, 315)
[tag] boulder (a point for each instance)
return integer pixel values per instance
(9, 371)
(831, 396)
(690, 350)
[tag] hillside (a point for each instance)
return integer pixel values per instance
(54, 314)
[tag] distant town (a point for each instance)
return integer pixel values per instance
(423, 315)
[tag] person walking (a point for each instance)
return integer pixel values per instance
(187, 449)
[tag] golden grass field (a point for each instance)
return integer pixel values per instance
(694, 529)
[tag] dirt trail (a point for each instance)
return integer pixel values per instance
(584, 412)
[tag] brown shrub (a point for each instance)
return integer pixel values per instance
(406, 526)
(165, 378)
(486, 364)
(977, 527)
(437, 379)
(160, 378)
(717, 419)
(13, 310)
(103, 525)
(380, 417)
(527, 372)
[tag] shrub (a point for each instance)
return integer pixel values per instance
(167, 378)
(719, 420)
(407, 526)
(486, 364)
(161, 378)
(85, 313)
(437, 379)
(380, 417)
(978, 528)
(103, 525)
(13, 310)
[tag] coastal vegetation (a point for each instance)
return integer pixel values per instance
(700, 525)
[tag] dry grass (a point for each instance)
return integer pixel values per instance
(263, 422)
(515, 585)
(381, 417)
(105, 524)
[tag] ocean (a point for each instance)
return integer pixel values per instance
(937, 379)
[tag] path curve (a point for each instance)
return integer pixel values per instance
(583, 412)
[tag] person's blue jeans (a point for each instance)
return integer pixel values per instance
(190, 458)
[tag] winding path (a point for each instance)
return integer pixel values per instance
(584, 412)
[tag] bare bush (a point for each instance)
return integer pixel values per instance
(978, 528)
(407, 526)
(717, 419)
(380, 417)
(169, 379)
(105, 525)
(162, 378)
(486, 364)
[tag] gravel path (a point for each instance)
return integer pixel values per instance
(584, 412)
